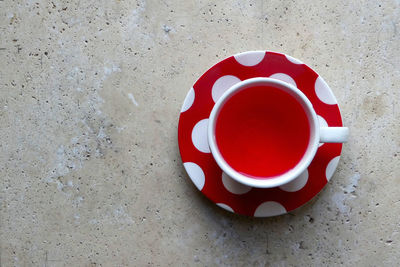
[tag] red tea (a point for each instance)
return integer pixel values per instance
(262, 131)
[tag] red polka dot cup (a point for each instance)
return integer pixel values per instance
(264, 133)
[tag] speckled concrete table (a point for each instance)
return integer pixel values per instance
(90, 93)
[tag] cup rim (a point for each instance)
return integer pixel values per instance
(289, 175)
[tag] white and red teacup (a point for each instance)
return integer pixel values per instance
(264, 133)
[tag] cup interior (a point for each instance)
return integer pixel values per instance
(290, 174)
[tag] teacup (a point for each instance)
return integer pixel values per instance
(264, 133)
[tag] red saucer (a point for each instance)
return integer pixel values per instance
(199, 162)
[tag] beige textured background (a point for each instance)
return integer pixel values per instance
(90, 93)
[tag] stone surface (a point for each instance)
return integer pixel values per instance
(90, 93)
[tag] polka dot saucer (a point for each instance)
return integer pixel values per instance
(199, 162)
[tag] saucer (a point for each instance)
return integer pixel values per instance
(199, 162)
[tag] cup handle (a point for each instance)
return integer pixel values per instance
(333, 134)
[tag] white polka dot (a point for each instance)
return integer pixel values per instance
(284, 78)
(269, 208)
(188, 100)
(196, 174)
(293, 60)
(331, 167)
(233, 186)
(225, 207)
(322, 123)
(297, 183)
(199, 136)
(251, 58)
(323, 92)
(222, 85)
